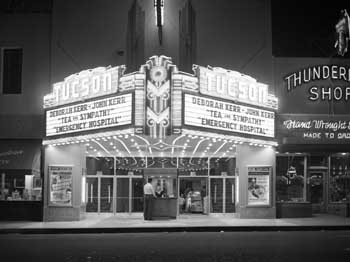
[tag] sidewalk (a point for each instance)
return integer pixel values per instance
(130, 223)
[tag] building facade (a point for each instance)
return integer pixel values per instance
(313, 134)
(206, 138)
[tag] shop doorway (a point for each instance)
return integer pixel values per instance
(193, 195)
(316, 189)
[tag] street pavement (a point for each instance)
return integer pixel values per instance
(275, 246)
(123, 223)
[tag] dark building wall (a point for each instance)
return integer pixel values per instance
(233, 34)
(87, 34)
(31, 32)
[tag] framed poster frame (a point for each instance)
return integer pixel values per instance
(60, 185)
(259, 186)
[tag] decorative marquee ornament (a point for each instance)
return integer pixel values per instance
(158, 97)
(158, 74)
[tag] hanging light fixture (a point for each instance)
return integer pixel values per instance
(159, 14)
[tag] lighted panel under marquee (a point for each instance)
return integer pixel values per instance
(112, 111)
(204, 112)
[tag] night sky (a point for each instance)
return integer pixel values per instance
(305, 28)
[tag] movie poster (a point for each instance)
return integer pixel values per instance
(61, 184)
(259, 186)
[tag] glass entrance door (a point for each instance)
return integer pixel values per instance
(92, 194)
(316, 190)
(106, 194)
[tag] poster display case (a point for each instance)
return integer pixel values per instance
(61, 183)
(259, 185)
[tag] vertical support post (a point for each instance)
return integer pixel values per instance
(305, 178)
(114, 203)
(99, 195)
(224, 195)
(130, 194)
(327, 183)
(3, 186)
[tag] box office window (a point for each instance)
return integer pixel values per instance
(12, 70)
(290, 178)
(339, 181)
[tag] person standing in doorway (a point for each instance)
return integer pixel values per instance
(149, 194)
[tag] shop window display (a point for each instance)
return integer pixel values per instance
(290, 178)
(19, 187)
(339, 182)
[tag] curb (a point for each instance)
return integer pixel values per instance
(168, 230)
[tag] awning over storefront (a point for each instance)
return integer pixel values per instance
(20, 155)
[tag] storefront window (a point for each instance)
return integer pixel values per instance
(17, 186)
(339, 182)
(194, 166)
(290, 178)
(103, 165)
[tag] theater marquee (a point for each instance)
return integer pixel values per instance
(108, 112)
(215, 114)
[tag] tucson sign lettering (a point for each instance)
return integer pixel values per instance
(84, 85)
(232, 85)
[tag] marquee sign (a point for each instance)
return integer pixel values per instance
(214, 114)
(85, 85)
(314, 129)
(232, 85)
(108, 112)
